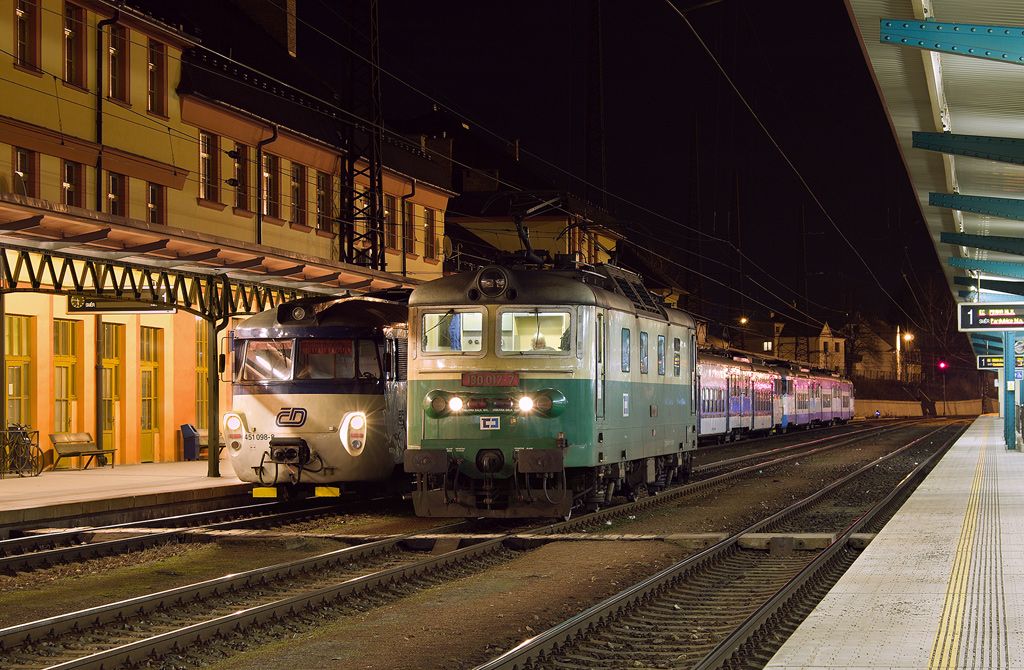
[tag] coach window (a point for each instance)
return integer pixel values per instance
(453, 332)
(644, 364)
(661, 354)
(625, 350)
(535, 332)
(677, 362)
(267, 361)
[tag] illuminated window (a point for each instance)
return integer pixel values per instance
(271, 186)
(324, 201)
(18, 346)
(390, 222)
(208, 167)
(298, 188)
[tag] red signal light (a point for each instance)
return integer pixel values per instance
(943, 365)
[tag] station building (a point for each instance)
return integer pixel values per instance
(118, 122)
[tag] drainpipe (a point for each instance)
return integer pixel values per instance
(99, 109)
(259, 184)
(406, 222)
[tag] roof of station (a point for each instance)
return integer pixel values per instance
(962, 102)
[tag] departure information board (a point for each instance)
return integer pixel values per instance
(977, 316)
(996, 362)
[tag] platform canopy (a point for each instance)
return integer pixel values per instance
(951, 76)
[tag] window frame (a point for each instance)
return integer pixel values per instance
(429, 233)
(324, 201)
(71, 192)
(270, 185)
(27, 15)
(209, 166)
(625, 349)
(156, 78)
(27, 173)
(156, 212)
(118, 64)
(454, 310)
(118, 195)
(547, 309)
(299, 192)
(408, 227)
(390, 221)
(241, 170)
(74, 40)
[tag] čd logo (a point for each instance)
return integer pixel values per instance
(291, 417)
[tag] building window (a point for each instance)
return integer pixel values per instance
(202, 372)
(71, 186)
(25, 173)
(117, 194)
(241, 157)
(271, 186)
(117, 63)
(298, 186)
(26, 17)
(18, 347)
(390, 222)
(149, 364)
(324, 201)
(625, 350)
(74, 44)
(766, 345)
(644, 361)
(208, 164)
(156, 90)
(65, 372)
(837, 347)
(429, 234)
(155, 203)
(408, 227)
(110, 378)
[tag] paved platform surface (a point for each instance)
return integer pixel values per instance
(942, 586)
(62, 493)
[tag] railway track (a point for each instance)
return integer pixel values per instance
(77, 544)
(163, 623)
(726, 606)
(33, 552)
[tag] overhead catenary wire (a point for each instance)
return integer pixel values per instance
(356, 117)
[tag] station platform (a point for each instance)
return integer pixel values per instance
(942, 586)
(109, 492)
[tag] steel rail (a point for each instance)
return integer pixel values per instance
(29, 542)
(524, 654)
(27, 561)
(677, 492)
(718, 656)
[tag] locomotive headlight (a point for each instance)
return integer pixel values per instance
(455, 403)
(353, 433)
(438, 404)
(233, 423)
(526, 404)
(299, 313)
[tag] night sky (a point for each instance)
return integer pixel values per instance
(680, 143)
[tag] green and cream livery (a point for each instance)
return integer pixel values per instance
(531, 391)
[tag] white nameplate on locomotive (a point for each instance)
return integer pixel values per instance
(490, 423)
(490, 379)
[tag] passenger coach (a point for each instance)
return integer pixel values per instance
(531, 391)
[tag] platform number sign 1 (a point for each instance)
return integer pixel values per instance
(990, 316)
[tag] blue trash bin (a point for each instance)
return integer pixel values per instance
(190, 441)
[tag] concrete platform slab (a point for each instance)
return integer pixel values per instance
(943, 584)
(103, 491)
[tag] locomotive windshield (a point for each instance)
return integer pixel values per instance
(452, 332)
(271, 360)
(536, 332)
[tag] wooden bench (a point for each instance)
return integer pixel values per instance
(67, 445)
(204, 443)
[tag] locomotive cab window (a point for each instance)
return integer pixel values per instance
(535, 332)
(326, 359)
(452, 332)
(267, 361)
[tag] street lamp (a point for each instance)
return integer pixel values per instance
(905, 337)
(942, 368)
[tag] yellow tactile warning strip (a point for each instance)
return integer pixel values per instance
(947, 639)
(982, 638)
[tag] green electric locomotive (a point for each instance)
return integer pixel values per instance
(533, 391)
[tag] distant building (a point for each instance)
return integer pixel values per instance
(820, 347)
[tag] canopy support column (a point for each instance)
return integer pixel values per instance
(1010, 397)
(213, 400)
